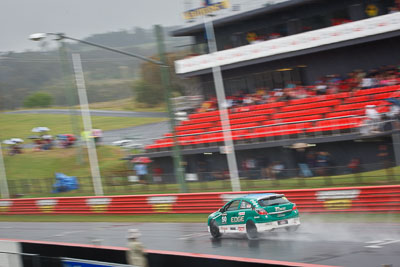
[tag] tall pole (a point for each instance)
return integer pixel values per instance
(3, 176)
(176, 154)
(69, 92)
(223, 112)
(87, 124)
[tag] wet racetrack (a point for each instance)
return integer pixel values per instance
(341, 244)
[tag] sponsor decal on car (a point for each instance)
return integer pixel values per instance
(241, 213)
(280, 208)
(46, 205)
(4, 205)
(241, 229)
(98, 204)
(237, 219)
(161, 203)
(337, 199)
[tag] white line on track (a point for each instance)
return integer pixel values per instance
(380, 243)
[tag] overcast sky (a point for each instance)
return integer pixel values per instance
(80, 18)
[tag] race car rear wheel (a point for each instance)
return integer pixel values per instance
(251, 230)
(214, 230)
(292, 228)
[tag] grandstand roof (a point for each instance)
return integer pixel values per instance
(234, 17)
(317, 49)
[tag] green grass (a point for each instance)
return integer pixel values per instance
(43, 164)
(197, 218)
(20, 125)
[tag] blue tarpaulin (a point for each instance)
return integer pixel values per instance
(65, 183)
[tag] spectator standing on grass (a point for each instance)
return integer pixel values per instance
(301, 159)
(383, 156)
(141, 172)
(136, 256)
(158, 172)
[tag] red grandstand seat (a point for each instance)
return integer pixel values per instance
(204, 114)
(269, 105)
(304, 118)
(382, 96)
(302, 113)
(240, 134)
(357, 99)
(357, 112)
(244, 125)
(335, 124)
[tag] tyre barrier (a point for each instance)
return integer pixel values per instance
(318, 200)
(36, 254)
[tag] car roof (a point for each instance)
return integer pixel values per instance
(263, 195)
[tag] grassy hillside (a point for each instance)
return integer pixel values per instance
(43, 164)
(21, 125)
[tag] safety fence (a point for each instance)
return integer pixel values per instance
(125, 182)
(323, 200)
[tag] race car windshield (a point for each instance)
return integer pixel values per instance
(273, 201)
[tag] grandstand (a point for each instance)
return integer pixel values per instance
(350, 38)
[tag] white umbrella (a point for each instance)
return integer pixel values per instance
(40, 129)
(8, 142)
(47, 136)
(299, 145)
(17, 140)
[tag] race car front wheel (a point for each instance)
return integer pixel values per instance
(214, 229)
(251, 230)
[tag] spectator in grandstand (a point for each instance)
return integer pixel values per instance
(320, 87)
(368, 81)
(136, 256)
(371, 124)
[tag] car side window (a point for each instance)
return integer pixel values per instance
(245, 205)
(233, 206)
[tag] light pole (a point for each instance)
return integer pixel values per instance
(179, 173)
(223, 111)
(69, 90)
(3, 176)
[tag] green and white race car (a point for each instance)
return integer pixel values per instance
(254, 213)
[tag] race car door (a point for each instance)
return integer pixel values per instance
(233, 217)
(246, 210)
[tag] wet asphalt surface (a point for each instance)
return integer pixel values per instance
(337, 244)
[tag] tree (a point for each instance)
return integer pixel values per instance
(38, 100)
(147, 93)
